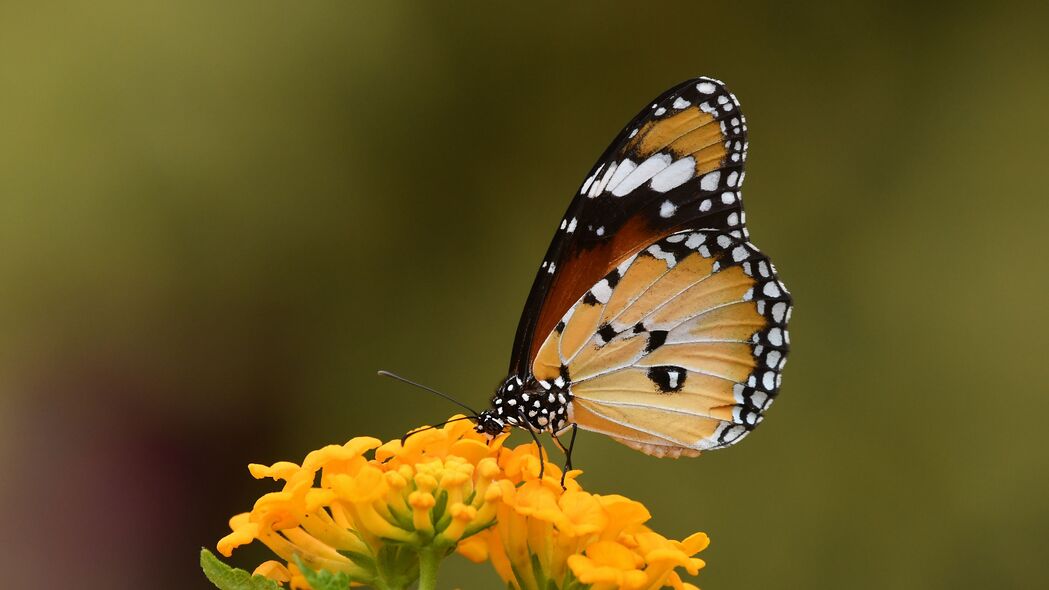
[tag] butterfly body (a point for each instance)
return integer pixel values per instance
(653, 318)
(530, 403)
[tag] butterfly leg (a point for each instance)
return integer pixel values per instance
(539, 445)
(567, 452)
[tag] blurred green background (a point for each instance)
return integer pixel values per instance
(217, 220)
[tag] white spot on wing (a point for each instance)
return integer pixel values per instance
(658, 253)
(772, 359)
(599, 186)
(602, 291)
(776, 337)
(706, 87)
(759, 399)
(674, 175)
(667, 209)
(680, 103)
(778, 311)
(622, 171)
(586, 185)
(672, 378)
(642, 174)
(709, 181)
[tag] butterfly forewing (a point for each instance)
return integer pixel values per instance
(677, 165)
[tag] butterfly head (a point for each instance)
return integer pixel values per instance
(501, 416)
(490, 424)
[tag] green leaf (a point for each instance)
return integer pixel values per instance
(226, 578)
(365, 562)
(324, 579)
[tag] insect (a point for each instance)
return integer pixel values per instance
(652, 318)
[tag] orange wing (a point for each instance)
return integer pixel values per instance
(677, 350)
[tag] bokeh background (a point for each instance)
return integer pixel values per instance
(217, 220)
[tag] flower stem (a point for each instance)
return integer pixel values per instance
(429, 562)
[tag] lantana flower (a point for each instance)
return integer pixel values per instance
(386, 514)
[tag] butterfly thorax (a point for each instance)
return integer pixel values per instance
(529, 403)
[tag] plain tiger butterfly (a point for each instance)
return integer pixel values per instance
(653, 319)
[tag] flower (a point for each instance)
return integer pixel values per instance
(389, 519)
(579, 540)
(342, 512)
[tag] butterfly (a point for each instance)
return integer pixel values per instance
(653, 319)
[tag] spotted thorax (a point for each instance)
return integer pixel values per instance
(536, 405)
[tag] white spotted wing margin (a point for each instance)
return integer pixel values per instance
(679, 349)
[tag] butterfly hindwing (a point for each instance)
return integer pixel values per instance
(677, 165)
(677, 350)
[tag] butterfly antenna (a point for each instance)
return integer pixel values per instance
(431, 390)
(433, 427)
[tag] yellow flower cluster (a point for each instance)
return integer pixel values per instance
(577, 539)
(388, 520)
